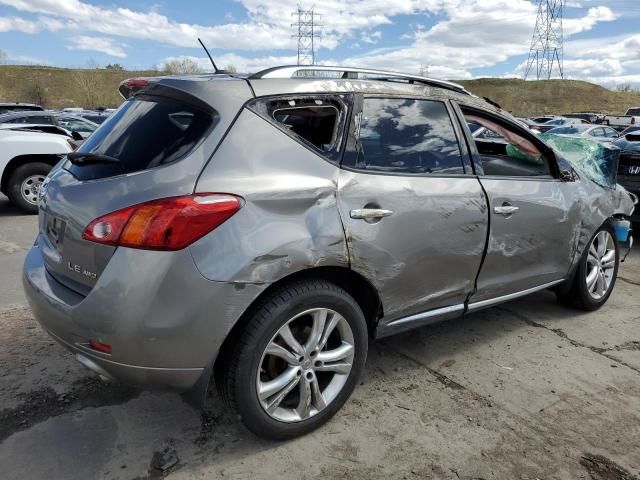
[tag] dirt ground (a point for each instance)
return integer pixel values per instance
(528, 390)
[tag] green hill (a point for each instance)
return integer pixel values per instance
(524, 98)
(89, 88)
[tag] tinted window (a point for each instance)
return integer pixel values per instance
(633, 111)
(517, 156)
(407, 136)
(35, 119)
(96, 118)
(144, 133)
(610, 133)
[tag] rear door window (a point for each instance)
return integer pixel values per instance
(407, 136)
(145, 132)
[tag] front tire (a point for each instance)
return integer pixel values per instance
(24, 185)
(297, 361)
(596, 273)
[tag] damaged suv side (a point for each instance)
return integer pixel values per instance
(258, 230)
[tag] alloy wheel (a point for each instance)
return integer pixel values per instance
(305, 365)
(601, 262)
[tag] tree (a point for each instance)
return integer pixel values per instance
(87, 80)
(3, 57)
(181, 66)
(231, 68)
(625, 88)
(35, 90)
(114, 66)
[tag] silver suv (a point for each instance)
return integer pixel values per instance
(259, 230)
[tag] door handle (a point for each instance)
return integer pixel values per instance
(506, 209)
(369, 213)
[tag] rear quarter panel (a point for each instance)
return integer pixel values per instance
(290, 221)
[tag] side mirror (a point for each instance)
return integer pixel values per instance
(76, 135)
(567, 176)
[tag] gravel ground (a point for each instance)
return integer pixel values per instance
(527, 390)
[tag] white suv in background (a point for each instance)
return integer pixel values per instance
(26, 157)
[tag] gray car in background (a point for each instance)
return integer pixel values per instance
(599, 133)
(257, 231)
(70, 122)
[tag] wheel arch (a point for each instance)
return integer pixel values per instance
(18, 161)
(353, 283)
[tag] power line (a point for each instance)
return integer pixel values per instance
(307, 30)
(547, 44)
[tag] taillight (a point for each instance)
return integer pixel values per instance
(136, 82)
(165, 224)
(72, 144)
(633, 120)
(99, 346)
(131, 85)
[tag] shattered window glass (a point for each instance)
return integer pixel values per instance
(597, 161)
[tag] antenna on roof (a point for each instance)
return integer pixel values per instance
(210, 58)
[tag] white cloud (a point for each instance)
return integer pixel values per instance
(593, 16)
(240, 63)
(371, 38)
(97, 44)
(467, 35)
(17, 24)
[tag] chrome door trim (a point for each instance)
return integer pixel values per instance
(512, 296)
(428, 314)
(419, 319)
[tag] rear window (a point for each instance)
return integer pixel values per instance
(145, 132)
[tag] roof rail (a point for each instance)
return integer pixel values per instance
(290, 71)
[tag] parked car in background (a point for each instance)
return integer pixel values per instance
(6, 107)
(55, 129)
(594, 132)
(629, 165)
(590, 117)
(557, 122)
(26, 157)
(629, 130)
(632, 117)
(542, 119)
(354, 207)
(96, 116)
(68, 121)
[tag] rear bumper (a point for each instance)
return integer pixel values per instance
(164, 321)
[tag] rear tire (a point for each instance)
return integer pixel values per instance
(24, 185)
(324, 333)
(599, 264)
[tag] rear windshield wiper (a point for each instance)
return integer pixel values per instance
(84, 158)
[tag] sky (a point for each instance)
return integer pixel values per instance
(450, 39)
